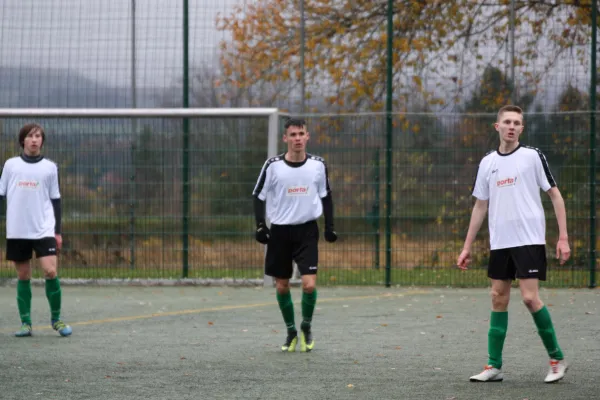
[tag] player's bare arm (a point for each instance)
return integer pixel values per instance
(477, 217)
(563, 251)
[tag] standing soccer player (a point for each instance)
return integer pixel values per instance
(33, 221)
(508, 183)
(295, 187)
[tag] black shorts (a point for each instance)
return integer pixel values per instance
(288, 243)
(22, 249)
(521, 262)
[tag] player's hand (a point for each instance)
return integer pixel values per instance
(563, 251)
(262, 234)
(330, 235)
(59, 241)
(464, 259)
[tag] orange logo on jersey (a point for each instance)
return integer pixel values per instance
(28, 184)
(506, 182)
(297, 191)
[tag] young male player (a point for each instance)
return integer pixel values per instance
(508, 183)
(295, 187)
(33, 221)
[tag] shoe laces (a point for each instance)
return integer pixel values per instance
(290, 337)
(554, 366)
(488, 367)
(58, 325)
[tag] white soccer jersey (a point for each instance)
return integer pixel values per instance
(512, 182)
(29, 188)
(293, 191)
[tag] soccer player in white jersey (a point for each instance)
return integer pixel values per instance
(295, 188)
(508, 184)
(33, 224)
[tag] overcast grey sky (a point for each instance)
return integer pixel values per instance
(93, 38)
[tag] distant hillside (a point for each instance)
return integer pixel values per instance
(48, 88)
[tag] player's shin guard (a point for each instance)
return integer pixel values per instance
(53, 293)
(546, 331)
(496, 336)
(24, 300)
(309, 300)
(287, 310)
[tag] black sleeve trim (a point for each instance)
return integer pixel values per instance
(546, 168)
(327, 180)
(263, 175)
(328, 211)
(57, 215)
(259, 211)
(472, 188)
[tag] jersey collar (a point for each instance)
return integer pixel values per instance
(508, 154)
(31, 160)
(295, 164)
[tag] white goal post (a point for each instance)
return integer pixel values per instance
(273, 115)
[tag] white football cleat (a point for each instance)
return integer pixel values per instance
(557, 371)
(489, 374)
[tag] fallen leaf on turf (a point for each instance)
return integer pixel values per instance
(211, 323)
(350, 385)
(398, 348)
(182, 358)
(107, 376)
(438, 316)
(549, 305)
(384, 324)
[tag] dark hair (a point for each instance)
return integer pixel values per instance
(509, 108)
(27, 129)
(295, 122)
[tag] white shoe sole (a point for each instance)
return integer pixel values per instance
(490, 380)
(497, 378)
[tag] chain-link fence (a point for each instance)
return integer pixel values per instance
(453, 65)
(123, 195)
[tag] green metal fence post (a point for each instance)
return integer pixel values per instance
(186, 145)
(375, 211)
(132, 201)
(388, 158)
(593, 82)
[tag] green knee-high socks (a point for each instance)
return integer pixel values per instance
(53, 293)
(287, 310)
(24, 300)
(546, 331)
(309, 300)
(496, 336)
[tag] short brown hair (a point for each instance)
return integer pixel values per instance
(27, 129)
(509, 108)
